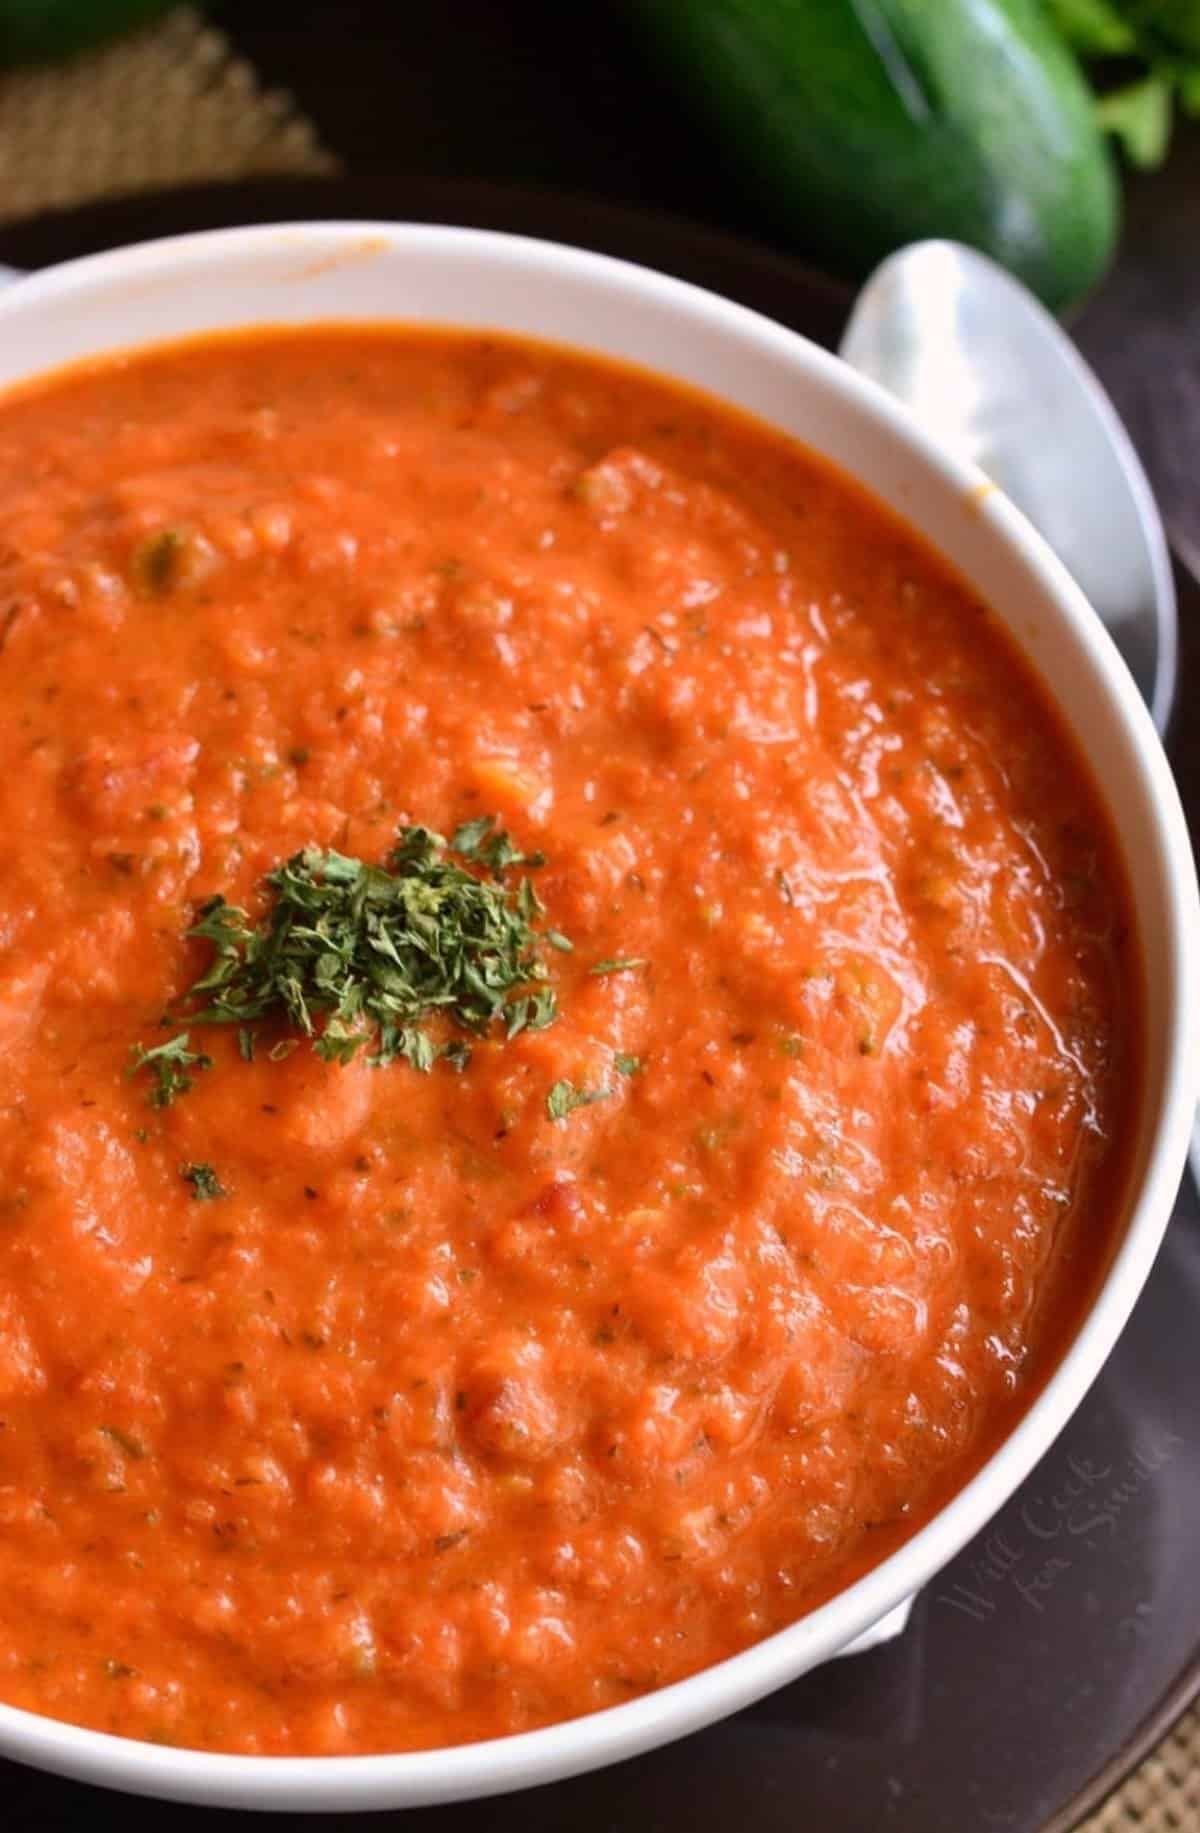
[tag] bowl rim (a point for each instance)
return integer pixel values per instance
(495, 1766)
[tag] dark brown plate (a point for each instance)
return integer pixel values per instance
(1058, 1648)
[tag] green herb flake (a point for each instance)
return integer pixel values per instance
(617, 965)
(627, 1066)
(482, 841)
(206, 1185)
(171, 1065)
(565, 1097)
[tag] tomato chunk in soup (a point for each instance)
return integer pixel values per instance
(445, 1415)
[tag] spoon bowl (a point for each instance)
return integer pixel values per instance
(987, 369)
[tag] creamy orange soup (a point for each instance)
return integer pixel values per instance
(349, 1408)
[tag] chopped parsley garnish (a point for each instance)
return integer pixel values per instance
(565, 1097)
(356, 955)
(480, 840)
(617, 965)
(627, 1066)
(206, 1185)
(170, 1065)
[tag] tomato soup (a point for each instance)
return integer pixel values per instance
(348, 1407)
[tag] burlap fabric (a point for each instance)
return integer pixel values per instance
(174, 104)
(167, 105)
(1163, 1796)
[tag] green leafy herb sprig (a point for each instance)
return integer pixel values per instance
(565, 1097)
(1144, 56)
(355, 955)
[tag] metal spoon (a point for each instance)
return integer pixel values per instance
(987, 368)
(979, 361)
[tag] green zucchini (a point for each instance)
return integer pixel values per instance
(863, 124)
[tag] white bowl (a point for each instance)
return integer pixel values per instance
(313, 272)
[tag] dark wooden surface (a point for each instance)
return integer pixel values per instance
(1142, 333)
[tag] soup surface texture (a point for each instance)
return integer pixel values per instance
(349, 1408)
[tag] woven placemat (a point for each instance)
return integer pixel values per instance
(1163, 1796)
(174, 104)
